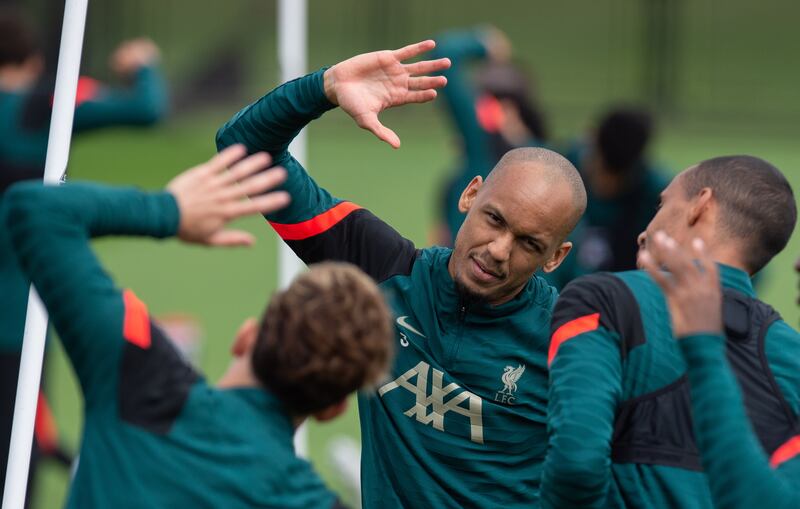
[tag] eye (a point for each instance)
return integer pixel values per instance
(494, 218)
(533, 246)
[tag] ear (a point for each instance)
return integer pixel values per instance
(469, 194)
(701, 204)
(558, 257)
(331, 412)
(245, 338)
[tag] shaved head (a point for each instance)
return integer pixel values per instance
(547, 168)
(517, 222)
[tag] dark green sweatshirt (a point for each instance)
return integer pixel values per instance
(460, 422)
(155, 434)
(612, 347)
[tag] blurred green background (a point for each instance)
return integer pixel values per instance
(721, 75)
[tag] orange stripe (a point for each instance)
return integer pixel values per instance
(136, 327)
(88, 89)
(315, 225)
(44, 426)
(785, 452)
(569, 330)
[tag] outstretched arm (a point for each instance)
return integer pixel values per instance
(460, 95)
(50, 228)
(739, 473)
(144, 102)
(317, 225)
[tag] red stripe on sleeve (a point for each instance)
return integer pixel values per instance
(44, 426)
(136, 327)
(785, 452)
(315, 225)
(569, 330)
(88, 89)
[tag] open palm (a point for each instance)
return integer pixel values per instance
(367, 84)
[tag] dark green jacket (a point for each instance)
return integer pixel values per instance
(460, 422)
(612, 344)
(155, 433)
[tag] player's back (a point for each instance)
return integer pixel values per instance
(655, 461)
(169, 439)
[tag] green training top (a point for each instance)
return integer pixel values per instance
(612, 345)
(739, 473)
(460, 421)
(24, 128)
(156, 434)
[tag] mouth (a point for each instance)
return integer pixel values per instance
(483, 274)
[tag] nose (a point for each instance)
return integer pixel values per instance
(641, 238)
(500, 247)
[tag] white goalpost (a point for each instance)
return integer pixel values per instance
(60, 136)
(292, 58)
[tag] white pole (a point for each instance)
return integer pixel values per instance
(69, 60)
(292, 58)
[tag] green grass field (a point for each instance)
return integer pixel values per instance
(223, 287)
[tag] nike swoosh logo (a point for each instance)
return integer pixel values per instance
(401, 320)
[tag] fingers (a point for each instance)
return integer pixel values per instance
(263, 204)
(231, 238)
(245, 167)
(705, 263)
(654, 269)
(373, 125)
(255, 185)
(426, 82)
(413, 50)
(226, 158)
(427, 66)
(421, 96)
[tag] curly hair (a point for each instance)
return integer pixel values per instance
(329, 333)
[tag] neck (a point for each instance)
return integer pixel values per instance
(238, 375)
(726, 253)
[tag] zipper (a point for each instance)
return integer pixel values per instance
(452, 353)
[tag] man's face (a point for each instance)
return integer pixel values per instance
(515, 225)
(670, 215)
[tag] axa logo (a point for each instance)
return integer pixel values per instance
(510, 377)
(431, 407)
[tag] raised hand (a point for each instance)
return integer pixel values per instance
(132, 55)
(690, 284)
(367, 84)
(215, 193)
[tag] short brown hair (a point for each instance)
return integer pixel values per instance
(329, 333)
(757, 202)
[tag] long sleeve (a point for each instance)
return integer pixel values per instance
(50, 228)
(316, 225)
(143, 103)
(460, 96)
(585, 387)
(738, 471)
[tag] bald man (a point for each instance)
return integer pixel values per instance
(461, 422)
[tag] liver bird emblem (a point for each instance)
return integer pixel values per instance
(511, 376)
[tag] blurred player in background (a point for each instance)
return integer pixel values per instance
(740, 474)
(25, 107)
(492, 113)
(462, 420)
(156, 434)
(623, 187)
(621, 431)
